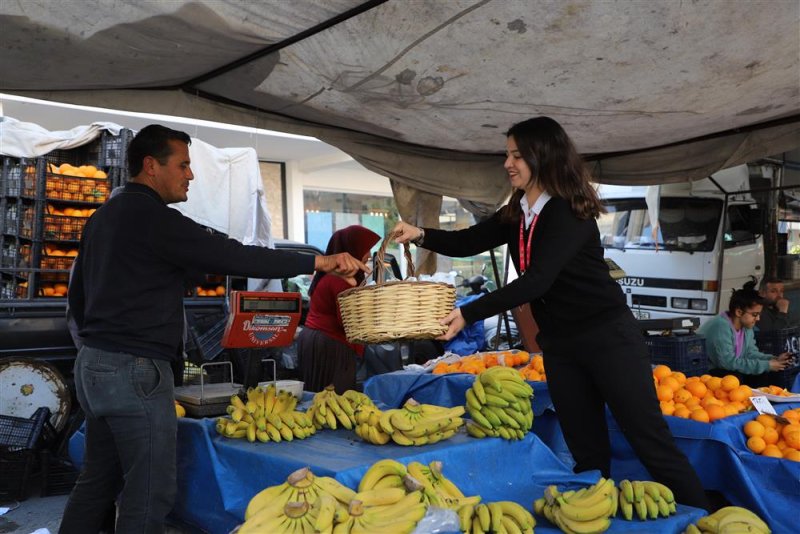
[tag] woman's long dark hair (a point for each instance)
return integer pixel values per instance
(745, 298)
(556, 165)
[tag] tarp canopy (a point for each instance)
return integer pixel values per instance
(422, 91)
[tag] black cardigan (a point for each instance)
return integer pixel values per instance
(136, 252)
(568, 284)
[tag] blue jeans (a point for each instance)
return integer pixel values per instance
(131, 431)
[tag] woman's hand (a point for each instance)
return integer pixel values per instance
(779, 363)
(455, 323)
(404, 232)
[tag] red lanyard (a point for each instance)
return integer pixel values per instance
(525, 251)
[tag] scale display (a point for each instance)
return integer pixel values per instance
(261, 319)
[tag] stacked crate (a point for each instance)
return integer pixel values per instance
(46, 202)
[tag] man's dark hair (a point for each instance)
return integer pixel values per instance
(769, 280)
(153, 141)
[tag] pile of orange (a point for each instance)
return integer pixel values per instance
(768, 437)
(475, 363)
(776, 390)
(218, 291)
(534, 371)
(700, 398)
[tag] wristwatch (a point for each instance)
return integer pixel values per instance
(418, 241)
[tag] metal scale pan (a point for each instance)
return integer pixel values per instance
(206, 400)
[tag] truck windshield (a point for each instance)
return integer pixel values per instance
(689, 224)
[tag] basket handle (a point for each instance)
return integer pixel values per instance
(382, 252)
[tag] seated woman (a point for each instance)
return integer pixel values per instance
(730, 345)
(324, 355)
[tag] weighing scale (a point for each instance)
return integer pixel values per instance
(257, 320)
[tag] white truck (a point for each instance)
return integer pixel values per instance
(705, 243)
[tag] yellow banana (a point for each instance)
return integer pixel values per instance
(626, 488)
(390, 481)
(663, 508)
(251, 432)
(274, 433)
(380, 469)
(479, 418)
(708, 523)
(692, 529)
(286, 433)
(522, 517)
(380, 497)
(445, 483)
(737, 514)
(399, 438)
(377, 437)
(626, 507)
(385, 422)
(484, 517)
(477, 526)
(641, 509)
(475, 430)
(510, 525)
(465, 514)
(327, 508)
(265, 498)
(488, 413)
(663, 490)
(600, 524)
(652, 506)
(344, 528)
(638, 490)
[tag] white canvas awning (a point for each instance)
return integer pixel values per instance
(422, 90)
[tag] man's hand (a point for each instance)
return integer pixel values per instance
(404, 232)
(455, 323)
(342, 264)
(782, 305)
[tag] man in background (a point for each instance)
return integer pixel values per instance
(775, 314)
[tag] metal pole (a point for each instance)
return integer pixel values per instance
(504, 315)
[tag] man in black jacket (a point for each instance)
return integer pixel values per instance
(775, 314)
(127, 299)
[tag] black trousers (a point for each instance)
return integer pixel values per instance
(610, 364)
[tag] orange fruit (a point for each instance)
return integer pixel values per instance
(791, 434)
(791, 454)
(730, 409)
(680, 377)
(753, 429)
(698, 389)
(667, 408)
(729, 382)
(682, 395)
(772, 451)
(767, 420)
(692, 402)
(792, 415)
(715, 412)
(682, 412)
(756, 444)
(700, 415)
(664, 393)
(771, 436)
(671, 382)
(661, 371)
(220, 290)
(721, 394)
(741, 393)
(714, 383)
(705, 378)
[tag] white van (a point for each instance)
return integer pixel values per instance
(690, 263)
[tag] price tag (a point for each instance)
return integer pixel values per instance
(762, 405)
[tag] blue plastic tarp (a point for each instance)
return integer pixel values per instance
(218, 476)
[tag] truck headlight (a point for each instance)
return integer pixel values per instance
(699, 304)
(680, 303)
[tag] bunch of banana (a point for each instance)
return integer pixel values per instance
(421, 424)
(495, 517)
(383, 511)
(300, 486)
(386, 473)
(367, 425)
(731, 519)
(438, 490)
(645, 499)
(329, 410)
(499, 403)
(266, 416)
(357, 399)
(587, 510)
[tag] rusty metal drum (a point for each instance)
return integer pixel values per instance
(27, 384)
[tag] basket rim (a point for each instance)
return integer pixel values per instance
(373, 287)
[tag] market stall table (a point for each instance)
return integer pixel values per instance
(218, 476)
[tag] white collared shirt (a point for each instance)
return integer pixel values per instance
(529, 212)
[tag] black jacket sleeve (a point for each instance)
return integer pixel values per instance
(478, 238)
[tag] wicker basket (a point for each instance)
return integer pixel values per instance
(389, 311)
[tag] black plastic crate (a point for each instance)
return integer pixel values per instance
(14, 172)
(686, 354)
(58, 475)
(19, 433)
(12, 288)
(16, 467)
(114, 148)
(779, 341)
(88, 154)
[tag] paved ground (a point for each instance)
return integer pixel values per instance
(40, 513)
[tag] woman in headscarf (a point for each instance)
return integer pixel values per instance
(325, 355)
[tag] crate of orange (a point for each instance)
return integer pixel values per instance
(684, 353)
(480, 361)
(702, 398)
(776, 438)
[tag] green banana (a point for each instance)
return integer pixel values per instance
(472, 400)
(626, 489)
(479, 391)
(638, 490)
